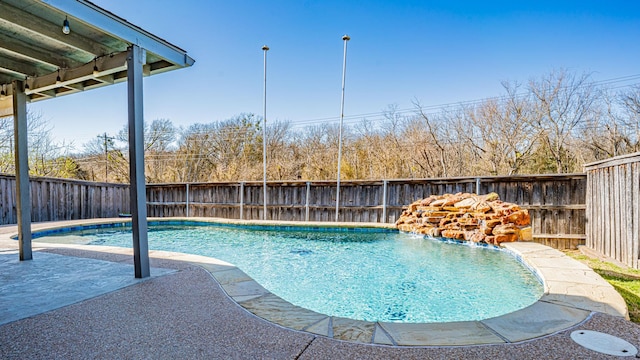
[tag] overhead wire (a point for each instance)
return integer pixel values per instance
(381, 116)
(375, 118)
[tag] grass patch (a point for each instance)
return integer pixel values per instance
(625, 280)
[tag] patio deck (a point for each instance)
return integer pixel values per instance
(182, 311)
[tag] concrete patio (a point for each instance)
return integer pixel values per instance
(188, 309)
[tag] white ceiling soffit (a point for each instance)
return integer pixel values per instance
(34, 48)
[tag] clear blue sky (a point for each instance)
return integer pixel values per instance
(436, 52)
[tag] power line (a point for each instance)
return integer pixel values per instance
(381, 114)
(429, 110)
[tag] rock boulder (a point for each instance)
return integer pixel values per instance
(468, 217)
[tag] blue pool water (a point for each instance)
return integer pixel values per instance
(372, 276)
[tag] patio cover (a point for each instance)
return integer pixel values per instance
(38, 61)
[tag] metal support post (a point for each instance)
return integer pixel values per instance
(136, 58)
(23, 189)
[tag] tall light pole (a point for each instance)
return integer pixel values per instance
(345, 38)
(264, 136)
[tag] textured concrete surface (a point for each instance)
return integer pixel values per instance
(183, 315)
(187, 314)
(51, 281)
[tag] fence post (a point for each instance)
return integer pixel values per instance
(306, 203)
(187, 185)
(384, 201)
(478, 186)
(242, 200)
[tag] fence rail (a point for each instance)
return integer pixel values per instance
(556, 202)
(613, 198)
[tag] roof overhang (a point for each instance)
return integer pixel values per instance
(34, 49)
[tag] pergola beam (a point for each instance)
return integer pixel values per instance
(17, 20)
(110, 65)
(31, 53)
(111, 69)
(15, 67)
(117, 27)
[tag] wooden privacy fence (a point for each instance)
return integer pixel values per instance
(556, 202)
(613, 199)
(64, 199)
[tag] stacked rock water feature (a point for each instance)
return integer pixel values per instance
(469, 217)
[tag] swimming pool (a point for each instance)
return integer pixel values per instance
(370, 275)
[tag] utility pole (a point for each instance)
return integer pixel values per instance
(108, 140)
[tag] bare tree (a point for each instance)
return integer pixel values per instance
(437, 137)
(282, 158)
(502, 133)
(563, 101)
(222, 151)
(319, 150)
(419, 148)
(629, 100)
(605, 134)
(193, 153)
(44, 152)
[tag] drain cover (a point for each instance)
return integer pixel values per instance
(603, 343)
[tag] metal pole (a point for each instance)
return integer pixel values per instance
(264, 136)
(23, 189)
(106, 158)
(136, 58)
(345, 38)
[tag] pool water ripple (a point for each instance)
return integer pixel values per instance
(370, 276)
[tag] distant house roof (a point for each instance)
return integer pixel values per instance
(34, 48)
